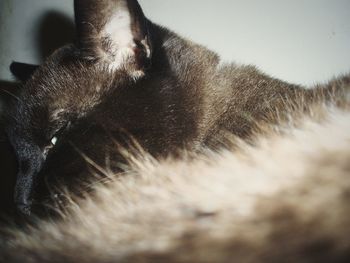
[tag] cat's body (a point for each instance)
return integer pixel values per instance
(166, 92)
(128, 79)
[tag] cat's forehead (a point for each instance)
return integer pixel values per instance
(65, 56)
(65, 65)
(68, 80)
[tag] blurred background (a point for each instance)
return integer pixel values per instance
(301, 41)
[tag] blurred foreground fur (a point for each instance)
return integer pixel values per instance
(281, 196)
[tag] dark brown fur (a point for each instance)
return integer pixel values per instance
(186, 99)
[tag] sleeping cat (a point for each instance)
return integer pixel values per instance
(273, 187)
(127, 79)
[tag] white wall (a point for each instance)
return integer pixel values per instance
(302, 41)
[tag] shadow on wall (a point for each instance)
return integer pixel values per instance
(55, 30)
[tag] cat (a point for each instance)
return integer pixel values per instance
(126, 77)
(223, 163)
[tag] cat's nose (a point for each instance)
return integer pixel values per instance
(29, 169)
(22, 196)
(24, 209)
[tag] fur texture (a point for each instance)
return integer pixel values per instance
(258, 168)
(282, 197)
(196, 98)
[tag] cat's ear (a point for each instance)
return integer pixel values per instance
(22, 71)
(114, 33)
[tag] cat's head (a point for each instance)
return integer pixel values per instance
(113, 46)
